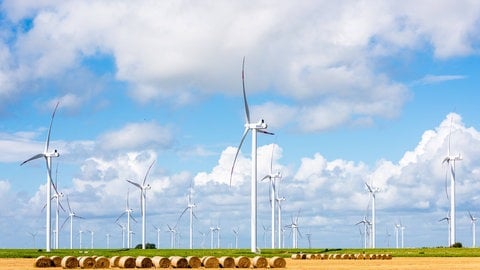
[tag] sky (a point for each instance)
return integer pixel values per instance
(355, 91)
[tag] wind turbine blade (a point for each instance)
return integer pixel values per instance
(236, 154)
(47, 143)
(120, 216)
(135, 184)
(54, 184)
(69, 208)
(32, 158)
(271, 160)
(265, 132)
(183, 212)
(65, 221)
(450, 135)
(145, 179)
(369, 188)
(133, 219)
(247, 111)
(470, 214)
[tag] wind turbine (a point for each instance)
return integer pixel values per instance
(260, 126)
(265, 230)
(447, 218)
(34, 235)
(217, 229)
(108, 239)
(128, 211)
(143, 201)
(295, 231)
(473, 220)
(48, 158)
(57, 197)
(158, 235)
(173, 232)
(372, 192)
(450, 160)
(212, 231)
(272, 179)
(365, 223)
(402, 229)
(280, 228)
(91, 238)
(190, 206)
(123, 233)
(202, 244)
(235, 232)
(71, 215)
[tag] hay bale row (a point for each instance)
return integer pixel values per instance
(336, 256)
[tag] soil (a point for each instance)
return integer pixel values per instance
(395, 263)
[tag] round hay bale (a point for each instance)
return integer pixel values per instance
(161, 262)
(114, 261)
(388, 256)
(143, 262)
(311, 257)
(242, 262)
(277, 262)
(259, 262)
(69, 262)
(194, 262)
(344, 256)
(42, 261)
(126, 262)
(226, 262)
(322, 256)
(86, 262)
(178, 262)
(102, 262)
(56, 261)
(210, 262)
(372, 256)
(296, 256)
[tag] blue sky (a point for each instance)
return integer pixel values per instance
(354, 91)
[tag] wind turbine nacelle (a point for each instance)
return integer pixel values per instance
(53, 154)
(259, 125)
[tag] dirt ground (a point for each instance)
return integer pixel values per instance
(395, 263)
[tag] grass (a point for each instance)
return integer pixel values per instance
(405, 252)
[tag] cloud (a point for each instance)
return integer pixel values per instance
(432, 79)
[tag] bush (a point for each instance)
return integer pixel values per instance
(147, 246)
(457, 245)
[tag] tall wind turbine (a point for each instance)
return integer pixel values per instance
(57, 197)
(128, 211)
(143, 201)
(261, 127)
(372, 192)
(272, 181)
(190, 206)
(473, 220)
(450, 160)
(47, 154)
(71, 215)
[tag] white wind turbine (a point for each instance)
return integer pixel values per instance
(91, 238)
(272, 193)
(158, 235)
(48, 158)
(34, 235)
(402, 230)
(57, 197)
(143, 201)
(450, 160)
(173, 232)
(473, 220)
(397, 228)
(128, 211)
(279, 201)
(447, 218)
(372, 192)
(217, 229)
(365, 223)
(295, 230)
(202, 244)
(212, 231)
(71, 215)
(260, 126)
(107, 236)
(80, 232)
(190, 206)
(123, 233)
(235, 232)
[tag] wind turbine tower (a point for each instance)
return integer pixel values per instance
(451, 160)
(128, 211)
(261, 127)
(365, 223)
(372, 192)
(190, 206)
(143, 201)
(473, 220)
(447, 218)
(48, 158)
(272, 192)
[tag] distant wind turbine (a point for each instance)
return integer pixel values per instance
(235, 232)
(473, 220)
(158, 235)
(123, 233)
(402, 230)
(272, 192)
(190, 206)
(91, 238)
(212, 232)
(295, 230)
(143, 201)
(372, 192)
(447, 218)
(279, 201)
(365, 223)
(71, 215)
(128, 211)
(48, 158)
(451, 160)
(260, 126)
(107, 236)
(34, 235)
(57, 197)
(173, 232)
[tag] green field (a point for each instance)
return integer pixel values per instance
(406, 252)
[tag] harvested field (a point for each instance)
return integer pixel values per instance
(395, 263)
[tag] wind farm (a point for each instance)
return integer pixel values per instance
(162, 117)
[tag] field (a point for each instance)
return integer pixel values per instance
(422, 258)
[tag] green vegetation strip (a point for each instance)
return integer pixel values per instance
(268, 253)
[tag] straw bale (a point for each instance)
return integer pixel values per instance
(114, 261)
(56, 261)
(259, 262)
(194, 262)
(210, 262)
(69, 262)
(86, 262)
(161, 262)
(126, 262)
(311, 256)
(322, 256)
(178, 262)
(296, 256)
(102, 262)
(388, 256)
(372, 256)
(242, 262)
(226, 262)
(143, 262)
(277, 262)
(42, 261)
